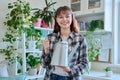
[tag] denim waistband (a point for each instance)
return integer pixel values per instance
(59, 77)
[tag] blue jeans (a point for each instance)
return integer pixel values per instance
(58, 77)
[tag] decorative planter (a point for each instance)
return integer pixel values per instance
(38, 23)
(32, 71)
(12, 69)
(109, 74)
(44, 24)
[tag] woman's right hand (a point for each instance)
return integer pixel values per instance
(46, 46)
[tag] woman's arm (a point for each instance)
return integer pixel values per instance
(82, 60)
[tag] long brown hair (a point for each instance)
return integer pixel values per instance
(74, 25)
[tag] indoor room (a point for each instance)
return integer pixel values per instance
(37, 39)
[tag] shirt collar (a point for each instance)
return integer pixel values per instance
(72, 35)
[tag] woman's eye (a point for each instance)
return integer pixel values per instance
(60, 17)
(67, 16)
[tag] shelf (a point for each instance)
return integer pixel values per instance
(99, 75)
(40, 28)
(33, 51)
(96, 32)
(34, 77)
(75, 3)
(94, 13)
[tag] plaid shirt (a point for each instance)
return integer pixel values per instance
(79, 60)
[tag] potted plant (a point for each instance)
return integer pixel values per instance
(108, 71)
(33, 38)
(18, 16)
(46, 14)
(33, 61)
(94, 48)
(96, 24)
(16, 20)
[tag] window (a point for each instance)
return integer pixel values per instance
(116, 36)
(119, 35)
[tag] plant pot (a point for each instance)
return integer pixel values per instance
(109, 74)
(89, 65)
(31, 45)
(32, 71)
(38, 23)
(38, 67)
(12, 69)
(44, 24)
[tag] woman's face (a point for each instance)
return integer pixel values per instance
(64, 19)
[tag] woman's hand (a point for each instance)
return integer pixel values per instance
(75, 24)
(67, 69)
(46, 46)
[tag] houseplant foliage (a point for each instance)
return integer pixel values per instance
(16, 19)
(94, 47)
(96, 24)
(108, 71)
(46, 14)
(32, 61)
(94, 44)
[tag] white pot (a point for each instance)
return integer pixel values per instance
(109, 74)
(32, 71)
(12, 69)
(31, 45)
(89, 65)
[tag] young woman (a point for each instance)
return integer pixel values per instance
(65, 28)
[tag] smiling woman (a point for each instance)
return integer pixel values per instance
(65, 30)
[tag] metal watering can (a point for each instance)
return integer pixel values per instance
(60, 54)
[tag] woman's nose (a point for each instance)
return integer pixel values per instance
(64, 18)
